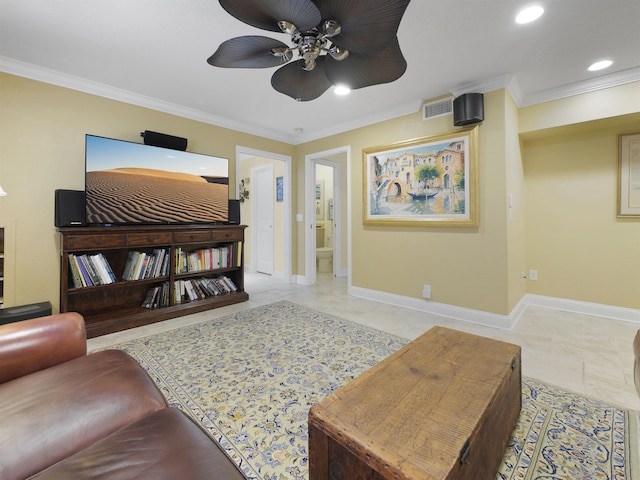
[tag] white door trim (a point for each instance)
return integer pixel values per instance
(243, 153)
(310, 219)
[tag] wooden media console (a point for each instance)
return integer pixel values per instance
(442, 407)
(148, 274)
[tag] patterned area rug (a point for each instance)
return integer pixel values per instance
(250, 378)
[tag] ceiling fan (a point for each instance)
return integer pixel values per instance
(352, 43)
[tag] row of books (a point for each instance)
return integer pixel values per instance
(207, 258)
(157, 296)
(89, 270)
(199, 288)
(188, 290)
(141, 265)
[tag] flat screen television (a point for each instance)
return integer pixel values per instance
(129, 183)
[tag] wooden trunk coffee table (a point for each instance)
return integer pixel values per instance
(442, 407)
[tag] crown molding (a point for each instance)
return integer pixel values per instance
(510, 82)
(381, 116)
(54, 77)
(599, 83)
(521, 99)
(483, 86)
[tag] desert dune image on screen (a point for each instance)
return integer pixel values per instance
(133, 183)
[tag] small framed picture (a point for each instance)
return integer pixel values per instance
(279, 189)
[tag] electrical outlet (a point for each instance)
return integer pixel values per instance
(426, 291)
(533, 274)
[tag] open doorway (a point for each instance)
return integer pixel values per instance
(327, 237)
(249, 163)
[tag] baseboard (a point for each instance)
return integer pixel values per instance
(505, 322)
(302, 280)
(586, 308)
(275, 274)
(305, 280)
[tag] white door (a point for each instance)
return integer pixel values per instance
(262, 202)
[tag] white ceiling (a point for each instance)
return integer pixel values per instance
(153, 53)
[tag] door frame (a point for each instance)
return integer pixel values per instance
(310, 223)
(243, 153)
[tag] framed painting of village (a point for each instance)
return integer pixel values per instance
(430, 181)
(629, 175)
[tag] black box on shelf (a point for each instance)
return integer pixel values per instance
(24, 312)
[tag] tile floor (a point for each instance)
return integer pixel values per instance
(583, 353)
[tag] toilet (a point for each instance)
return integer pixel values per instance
(324, 255)
(324, 259)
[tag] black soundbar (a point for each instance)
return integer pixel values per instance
(163, 140)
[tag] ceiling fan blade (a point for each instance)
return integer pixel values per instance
(299, 84)
(358, 71)
(368, 26)
(266, 14)
(248, 52)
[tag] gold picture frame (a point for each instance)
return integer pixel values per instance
(429, 181)
(629, 175)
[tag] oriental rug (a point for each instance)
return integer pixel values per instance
(250, 378)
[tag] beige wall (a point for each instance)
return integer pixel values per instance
(465, 267)
(580, 249)
(42, 130)
(567, 184)
(482, 268)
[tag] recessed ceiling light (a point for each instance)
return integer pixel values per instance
(530, 14)
(342, 90)
(602, 64)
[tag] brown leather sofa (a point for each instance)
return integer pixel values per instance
(68, 415)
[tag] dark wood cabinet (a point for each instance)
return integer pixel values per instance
(118, 305)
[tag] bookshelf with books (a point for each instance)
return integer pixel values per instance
(123, 277)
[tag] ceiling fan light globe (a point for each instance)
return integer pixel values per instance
(331, 28)
(287, 27)
(338, 54)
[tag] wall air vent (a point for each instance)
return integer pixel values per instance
(437, 109)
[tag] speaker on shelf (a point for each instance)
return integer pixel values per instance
(69, 208)
(234, 212)
(163, 140)
(468, 109)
